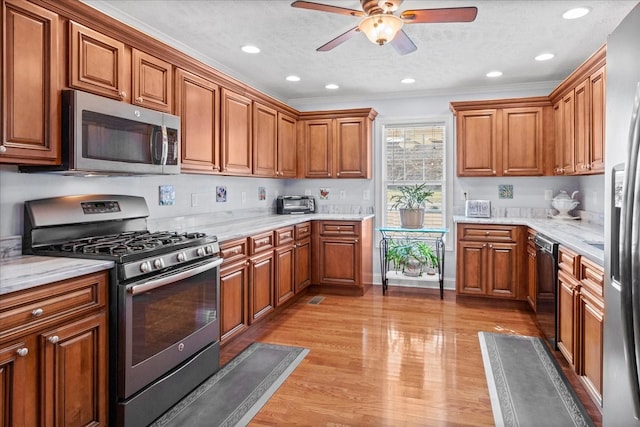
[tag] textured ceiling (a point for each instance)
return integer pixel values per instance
(505, 36)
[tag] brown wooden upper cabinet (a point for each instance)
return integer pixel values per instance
(237, 152)
(30, 110)
(336, 144)
(106, 66)
(508, 137)
(265, 140)
(198, 105)
(579, 116)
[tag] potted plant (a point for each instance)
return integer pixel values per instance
(411, 257)
(411, 203)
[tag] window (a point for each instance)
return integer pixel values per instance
(415, 154)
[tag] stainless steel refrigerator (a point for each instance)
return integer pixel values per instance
(621, 385)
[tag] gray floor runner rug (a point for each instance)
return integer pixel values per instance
(526, 385)
(235, 394)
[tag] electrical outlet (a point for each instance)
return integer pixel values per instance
(548, 194)
(194, 200)
(307, 192)
(343, 194)
(365, 195)
(243, 195)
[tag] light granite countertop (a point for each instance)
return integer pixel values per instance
(28, 271)
(570, 233)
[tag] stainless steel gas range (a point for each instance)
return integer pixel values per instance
(164, 296)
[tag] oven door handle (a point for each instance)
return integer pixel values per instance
(158, 283)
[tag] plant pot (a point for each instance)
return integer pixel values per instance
(411, 218)
(413, 268)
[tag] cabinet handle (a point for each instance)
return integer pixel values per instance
(22, 352)
(54, 339)
(37, 312)
(356, 241)
(338, 174)
(139, 99)
(505, 172)
(487, 233)
(484, 245)
(491, 246)
(123, 94)
(494, 172)
(3, 149)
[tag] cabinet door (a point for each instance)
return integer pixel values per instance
(568, 134)
(302, 265)
(532, 276)
(597, 131)
(261, 298)
(265, 137)
(339, 263)
(198, 105)
(98, 63)
(12, 384)
(152, 82)
(582, 126)
(522, 141)
(558, 137)
(477, 140)
(30, 86)
(470, 270)
(502, 271)
(287, 148)
(285, 273)
(318, 148)
(234, 299)
(74, 373)
(352, 151)
(236, 134)
(567, 296)
(591, 333)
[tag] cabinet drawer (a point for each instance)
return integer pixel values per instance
(303, 230)
(284, 235)
(592, 276)
(568, 261)
(58, 302)
(332, 228)
(489, 233)
(261, 242)
(233, 250)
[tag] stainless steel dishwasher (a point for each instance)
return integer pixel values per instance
(547, 287)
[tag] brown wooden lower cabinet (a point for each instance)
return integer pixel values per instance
(53, 354)
(284, 265)
(302, 256)
(234, 289)
(581, 317)
(489, 261)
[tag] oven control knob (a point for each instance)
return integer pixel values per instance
(200, 252)
(145, 267)
(182, 257)
(158, 263)
(209, 250)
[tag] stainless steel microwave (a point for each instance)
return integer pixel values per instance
(103, 136)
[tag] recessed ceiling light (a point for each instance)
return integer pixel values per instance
(576, 13)
(494, 73)
(544, 56)
(250, 49)
(408, 80)
(332, 86)
(293, 78)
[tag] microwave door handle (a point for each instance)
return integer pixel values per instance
(155, 160)
(165, 145)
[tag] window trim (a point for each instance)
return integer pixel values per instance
(449, 166)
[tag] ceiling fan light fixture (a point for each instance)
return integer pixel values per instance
(381, 28)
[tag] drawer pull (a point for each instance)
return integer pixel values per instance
(37, 312)
(22, 352)
(54, 339)
(487, 233)
(491, 246)
(3, 149)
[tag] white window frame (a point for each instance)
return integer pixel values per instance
(449, 166)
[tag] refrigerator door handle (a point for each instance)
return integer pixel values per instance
(629, 263)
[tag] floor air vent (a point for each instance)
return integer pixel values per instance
(316, 300)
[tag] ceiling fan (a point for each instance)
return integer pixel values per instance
(381, 26)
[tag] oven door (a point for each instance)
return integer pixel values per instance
(163, 321)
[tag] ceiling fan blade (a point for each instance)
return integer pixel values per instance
(338, 40)
(403, 44)
(327, 8)
(452, 14)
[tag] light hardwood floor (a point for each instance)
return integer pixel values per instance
(404, 359)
